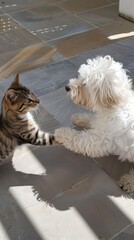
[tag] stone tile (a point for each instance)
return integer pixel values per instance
(117, 31)
(66, 216)
(127, 234)
(37, 59)
(12, 5)
(7, 24)
(119, 52)
(54, 24)
(79, 6)
(74, 45)
(16, 39)
(114, 167)
(49, 78)
(23, 227)
(41, 174)
(101, 16)
(113, 1)
(128, 42)
(105, 204)
(60, 106)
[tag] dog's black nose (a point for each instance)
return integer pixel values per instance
(67, 88)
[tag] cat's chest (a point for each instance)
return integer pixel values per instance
(28, 116)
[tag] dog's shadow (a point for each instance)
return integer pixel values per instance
(54, 188)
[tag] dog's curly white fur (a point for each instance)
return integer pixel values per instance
(103, 86)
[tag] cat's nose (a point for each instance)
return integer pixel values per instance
(67, 88)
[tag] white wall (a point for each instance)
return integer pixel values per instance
(126, 9)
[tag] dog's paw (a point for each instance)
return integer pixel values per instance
(126, 183)
(65, 135)
(61, 134)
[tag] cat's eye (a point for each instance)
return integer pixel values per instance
(30, 101)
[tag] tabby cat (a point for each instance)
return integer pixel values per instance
(16, 123)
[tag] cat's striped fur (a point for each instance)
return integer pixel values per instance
(16, 123)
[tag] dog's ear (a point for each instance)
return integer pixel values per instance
(108, 96)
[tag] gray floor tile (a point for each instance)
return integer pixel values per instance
(101, 16)
(49, 78)
(89, 209)
(128, 42)
(127, 234)
(12, 5)
(100, 204)
(42, 174)
(16, 39)
(79, 6)
(60, 106)
(8, 24)
(114, 167)
(76, 44)
(39, 57)
(119, 52)
(51, 26)
(118, 29)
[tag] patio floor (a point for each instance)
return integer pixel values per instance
(50, 193)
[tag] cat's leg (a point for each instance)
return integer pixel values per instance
(81, 120)
(87, 142)
(43, 138)
(37, 137)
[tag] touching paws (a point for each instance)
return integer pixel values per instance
(127, 182)
(61, 134)
(65, 136)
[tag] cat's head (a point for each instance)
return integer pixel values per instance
(20, 99)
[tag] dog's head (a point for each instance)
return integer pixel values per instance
(101, 83)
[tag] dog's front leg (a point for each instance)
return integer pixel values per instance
(86, 142)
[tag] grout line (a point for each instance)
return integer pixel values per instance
(97, 8)
(89, 10)
(117, 234)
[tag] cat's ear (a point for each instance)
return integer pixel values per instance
(16, 81)
(11, 96)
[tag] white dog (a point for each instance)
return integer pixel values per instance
(104, 87)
